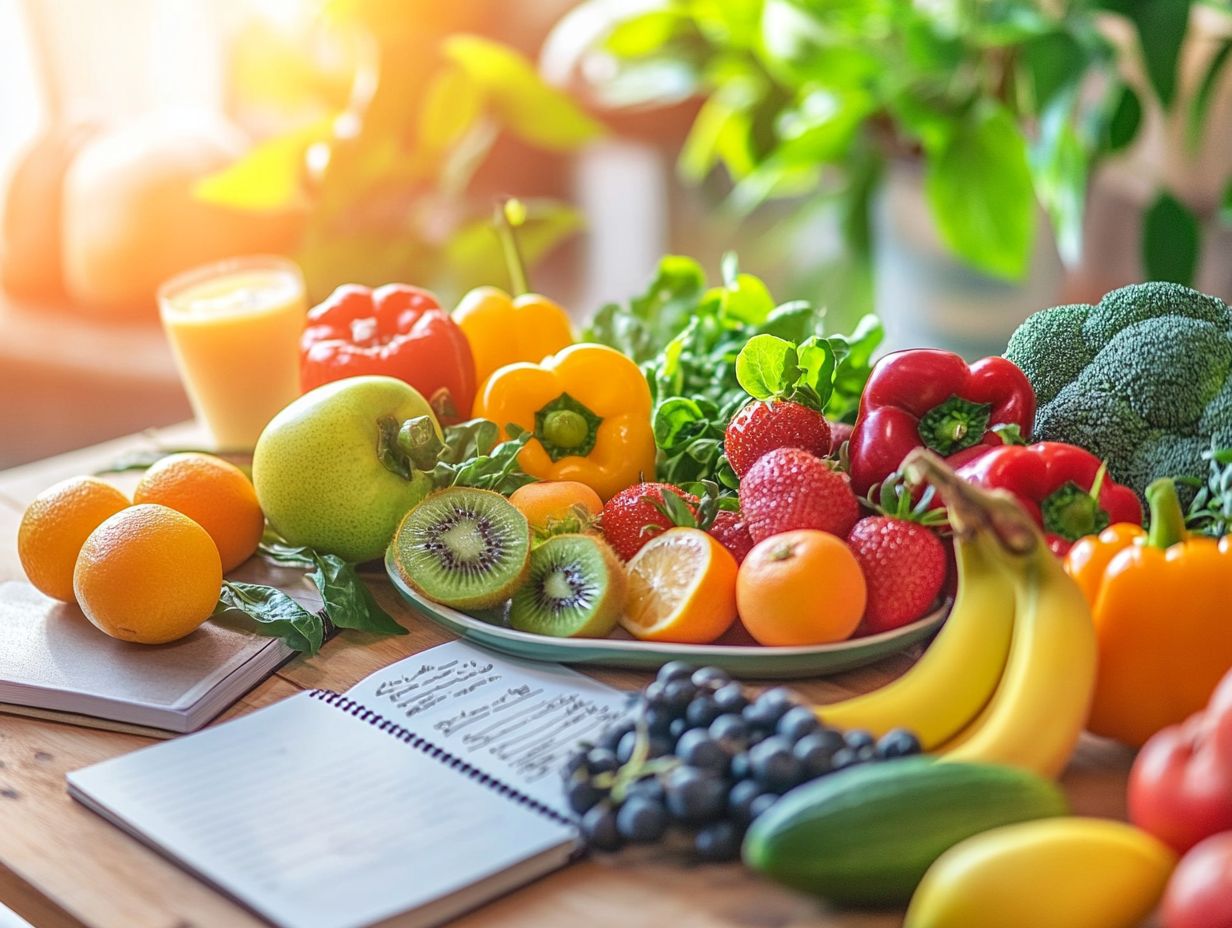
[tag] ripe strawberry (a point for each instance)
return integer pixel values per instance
(789, 488)
(839, 433)
(764, 426)
(904, 566)
(636, 514)
(732, 532)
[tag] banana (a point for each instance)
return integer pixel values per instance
(958, 674)
(1054, 872)
(1040, 707)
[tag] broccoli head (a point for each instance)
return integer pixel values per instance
(1141, 379)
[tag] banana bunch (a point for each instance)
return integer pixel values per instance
(1009, 679)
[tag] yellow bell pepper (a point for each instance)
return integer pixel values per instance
(504, 330)
(1159, 601)
(589, 409)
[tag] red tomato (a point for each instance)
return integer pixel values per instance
(396, 330)
(1199, 895)
(1180, 788)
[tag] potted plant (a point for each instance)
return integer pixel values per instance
(956, 141)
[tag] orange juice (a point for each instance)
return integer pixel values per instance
(235, 327)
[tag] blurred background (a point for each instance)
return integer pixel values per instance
(952, 165)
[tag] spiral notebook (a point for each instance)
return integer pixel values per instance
(427, 789)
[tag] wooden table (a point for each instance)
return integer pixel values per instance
(61, 865)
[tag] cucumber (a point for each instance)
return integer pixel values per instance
(866, 835)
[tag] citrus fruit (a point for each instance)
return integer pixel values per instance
(558, 505)
(56, 525)
(682, 587)
(212, 492)
(148, 574)
(802, 587)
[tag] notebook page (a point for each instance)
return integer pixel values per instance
(314, 818)
(515, 720)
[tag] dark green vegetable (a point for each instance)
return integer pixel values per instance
(687, 337)
(1141, 379)
(1210, 513)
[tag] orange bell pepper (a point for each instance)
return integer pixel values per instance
(1159, 600)
(589, 410)
(504, 330)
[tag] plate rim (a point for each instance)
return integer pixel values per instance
(619, 645)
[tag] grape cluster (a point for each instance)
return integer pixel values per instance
(697, 758)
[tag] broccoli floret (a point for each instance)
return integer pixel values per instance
(1049, 348)
(1155, 300)
(1169, 369)
(1142, 379)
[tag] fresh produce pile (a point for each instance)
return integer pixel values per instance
(710, 466)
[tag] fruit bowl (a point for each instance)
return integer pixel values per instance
(621, 650)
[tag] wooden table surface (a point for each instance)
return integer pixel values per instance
(61, 865)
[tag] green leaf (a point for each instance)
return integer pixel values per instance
(1124, 120)
(496, 469)
(766, 367)
(674, 418)
(1161, 27)
(816, 380)
(533, 110)
(271, 612)
(1170, 239)
(982, 197)
(348, 601)
(653, 318)
(1061, 167)
(451, 104)
(1225, 208)
(1206, 91)
(268, 179)
(1055, 62)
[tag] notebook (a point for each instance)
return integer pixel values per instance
(429, 788)
(55, 664)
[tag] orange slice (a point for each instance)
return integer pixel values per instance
(682, 588)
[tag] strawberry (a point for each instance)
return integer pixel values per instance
(762, 426)
(905, 563)
(636, 514)
(839, 433)
(732, 532)
(904, 566)
(789, 488)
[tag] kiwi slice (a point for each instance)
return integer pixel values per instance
(463, 547)
(576, 589)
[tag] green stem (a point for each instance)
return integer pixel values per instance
(509, 215)
(1167, 519)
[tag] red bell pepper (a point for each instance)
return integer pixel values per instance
(1065, 488)
(397, 330)
(929, 397)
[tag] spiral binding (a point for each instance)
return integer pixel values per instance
(364, 714)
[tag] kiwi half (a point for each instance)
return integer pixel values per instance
(576, 589)
(463, 547)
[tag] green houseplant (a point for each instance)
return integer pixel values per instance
(1003, 104)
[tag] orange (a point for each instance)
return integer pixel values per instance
(801, 588)
(213, 493)
(557, 505)
(56, 525)
(682, 587)
(148, 574)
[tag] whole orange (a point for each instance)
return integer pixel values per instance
(56, 525)
(148, 574)
(212, 492)
(803, 587)
(566, 505)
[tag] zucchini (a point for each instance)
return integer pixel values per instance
(866, 835)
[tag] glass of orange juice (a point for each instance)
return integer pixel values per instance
(234, 327)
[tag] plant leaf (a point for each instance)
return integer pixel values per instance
(267, 178)
(272, 612)
(451, 104)
(1170, 239)
(1161, 27)
(348, 601)
(1206, 91)
(766, 367)
(1124, 120)
(533, 110)
(980, 190)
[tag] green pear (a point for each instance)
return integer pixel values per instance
(331, 471)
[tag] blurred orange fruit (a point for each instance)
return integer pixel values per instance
(803, 587)
(682, 587)
(212, 492)
(558, 505)
(148, 574)
(56, 525)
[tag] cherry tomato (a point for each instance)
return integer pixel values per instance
(1199, 895)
